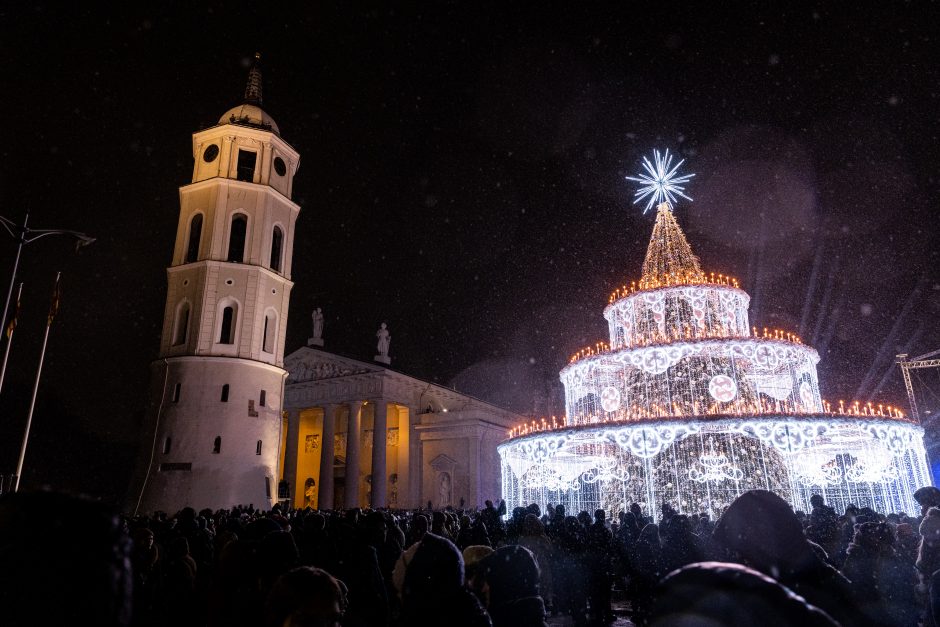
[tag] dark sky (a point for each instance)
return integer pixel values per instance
(462, 179)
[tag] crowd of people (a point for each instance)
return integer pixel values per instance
(66, 560)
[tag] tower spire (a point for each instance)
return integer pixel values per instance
(253, 89)
(669, 258)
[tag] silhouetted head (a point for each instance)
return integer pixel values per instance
(927, 497)
(760, 530)
(305, 596)
(715, 594)
(64, 560)
(511, 573)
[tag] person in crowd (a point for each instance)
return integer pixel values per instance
(64, 560)
(179, 600)
(883, 582)
(433, 591)
(569, 573)
(680, 545)
(511, 588)
(534, 538)
(928, 566)
(599, 540)
(927, 497)
(761, 531)
(305, 597)
(473, 555)
(492, 518)
(147, 568)
(824, 527)
(722, 594)
(647, 570)
(357, 566)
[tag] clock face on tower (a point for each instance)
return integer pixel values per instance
(210, 153)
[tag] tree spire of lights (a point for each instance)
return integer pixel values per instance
(669, 258)
(661, 181)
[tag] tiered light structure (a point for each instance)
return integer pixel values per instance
(689, 405)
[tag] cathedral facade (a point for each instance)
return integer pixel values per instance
(360, 434)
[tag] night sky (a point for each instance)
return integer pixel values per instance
(462, 179)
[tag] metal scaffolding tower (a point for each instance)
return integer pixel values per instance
(924, 361)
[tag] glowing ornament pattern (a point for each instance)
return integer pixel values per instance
(714, 466)
(660, 182)
(722, 388)
(610, 399)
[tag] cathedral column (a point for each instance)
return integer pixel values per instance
(289, 470)
(415, 471)
(404, 458)
(326, 457)
(379, 442)
(353, 434)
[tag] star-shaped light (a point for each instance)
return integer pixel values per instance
(659, 181)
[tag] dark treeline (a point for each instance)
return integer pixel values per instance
(66, 560)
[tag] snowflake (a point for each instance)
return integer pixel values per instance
(659, 181)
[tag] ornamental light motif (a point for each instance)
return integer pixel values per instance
(661, 181)
(690, 404)
(714, 466)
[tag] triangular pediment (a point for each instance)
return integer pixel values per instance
(443, 463)
(310, 364)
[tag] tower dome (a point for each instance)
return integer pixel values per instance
(249, 112)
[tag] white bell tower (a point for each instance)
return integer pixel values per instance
(213, 434)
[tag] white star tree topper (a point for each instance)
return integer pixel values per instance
(660, 181)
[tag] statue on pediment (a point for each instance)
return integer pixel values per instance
(385, 339)
(317, 318)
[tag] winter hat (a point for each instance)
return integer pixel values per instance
(928, 496)
(474, 554)
(717, 593)
(761, 531)
(436, 568)
(904, 530)
(512, 573)
(930, 526)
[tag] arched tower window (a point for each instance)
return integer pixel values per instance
(229, 318)
(236, 238)
(270, 330)
(263, 398)
(225, 393)
(277, 243)
(195, 235)
(181, 329)
(217, 445)
(166, 445)
(258, 448)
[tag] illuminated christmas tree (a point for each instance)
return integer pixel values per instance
(691, 406)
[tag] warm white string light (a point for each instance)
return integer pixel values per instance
(688, 404)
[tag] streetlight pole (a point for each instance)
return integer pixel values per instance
(25, 235)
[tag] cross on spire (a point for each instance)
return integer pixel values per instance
(253, 89)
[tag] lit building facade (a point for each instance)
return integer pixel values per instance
(348, 422)
(688, 404)
(213, 429)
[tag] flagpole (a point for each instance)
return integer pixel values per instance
(10, 329)
(53, 309)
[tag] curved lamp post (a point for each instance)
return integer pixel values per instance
(25, 235)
